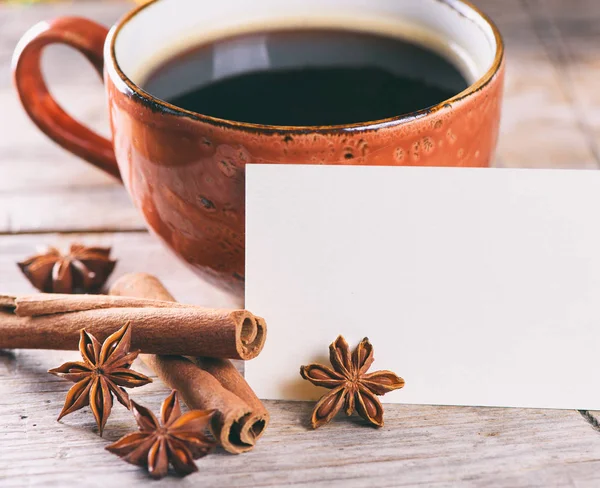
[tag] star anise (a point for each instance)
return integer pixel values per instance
(350, 384)
(178, 439)
(83, 269)
(105, 370)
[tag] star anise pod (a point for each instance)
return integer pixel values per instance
(83, 269)
(105, 370)
(351, 386)
(178, 439)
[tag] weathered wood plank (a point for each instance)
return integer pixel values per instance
(91, 209)
(43, 187)
(540, 127)
(571, 34)
(434, 446)
(29, 161)
(420, 445)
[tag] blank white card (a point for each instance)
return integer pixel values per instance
(477, 286)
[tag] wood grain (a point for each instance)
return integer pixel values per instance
(420, 445)
(43, 187)
(551, 119)
(540, 126)
(434, 446)
(572, 37)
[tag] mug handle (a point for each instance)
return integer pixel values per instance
(88, 38)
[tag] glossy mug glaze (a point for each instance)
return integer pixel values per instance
(185, 171)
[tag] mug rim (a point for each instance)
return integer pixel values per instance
(128, 86)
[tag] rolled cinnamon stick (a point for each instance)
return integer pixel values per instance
(204, 383)
(53, 321)
(251, 426)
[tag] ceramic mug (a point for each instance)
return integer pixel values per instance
(185, 171)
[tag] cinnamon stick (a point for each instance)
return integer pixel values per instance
(53, 321)
(204, 383)
(252, 426)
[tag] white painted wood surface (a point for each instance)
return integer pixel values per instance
(551, 119)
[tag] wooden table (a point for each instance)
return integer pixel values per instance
(551, 119)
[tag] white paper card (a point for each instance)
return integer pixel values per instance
(477, 286)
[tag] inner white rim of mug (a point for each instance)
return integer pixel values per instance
(163, 29)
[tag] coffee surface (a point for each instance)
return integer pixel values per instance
(306, 78)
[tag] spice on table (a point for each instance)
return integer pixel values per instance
(204, 383)
(53, 321)
(83, 269)
(177, 439)
(351, 386)
(105, 370)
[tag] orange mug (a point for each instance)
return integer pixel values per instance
(185, 171)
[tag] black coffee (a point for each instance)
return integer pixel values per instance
(306, 77)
